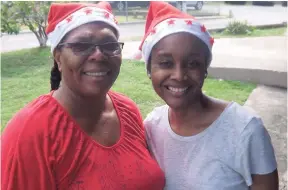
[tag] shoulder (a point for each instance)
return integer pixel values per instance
(232, 125)
(238, 119)
(245, 122)
(156, 116)
(242, 126)
(31, 121)
(123, 101)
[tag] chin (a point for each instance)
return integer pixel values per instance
(95, 91)
(177, 104)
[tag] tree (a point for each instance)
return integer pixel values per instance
(32, 14)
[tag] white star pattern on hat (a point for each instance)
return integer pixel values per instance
(175, 25)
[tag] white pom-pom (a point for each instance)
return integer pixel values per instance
(137, 55)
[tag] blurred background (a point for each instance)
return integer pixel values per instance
(129, 11)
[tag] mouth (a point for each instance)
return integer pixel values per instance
(178, 91)
(96, 74)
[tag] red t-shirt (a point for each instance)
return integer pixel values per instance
(44, 149)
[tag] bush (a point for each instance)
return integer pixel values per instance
(238, 28)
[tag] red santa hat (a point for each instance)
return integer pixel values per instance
(64, 17)
(164, 19)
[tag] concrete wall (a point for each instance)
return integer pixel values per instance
(257, 76)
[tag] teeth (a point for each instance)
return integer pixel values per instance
(96, 74)
(177, 89)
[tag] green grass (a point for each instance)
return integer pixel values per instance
(255, 33)
(25, 76)
(122, 19)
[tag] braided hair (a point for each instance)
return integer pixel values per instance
(55, 77)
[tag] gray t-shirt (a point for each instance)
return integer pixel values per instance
(222, 157)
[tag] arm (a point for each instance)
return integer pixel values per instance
(265, 182)
(24, 155)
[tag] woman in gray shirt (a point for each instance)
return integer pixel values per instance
(200, 142)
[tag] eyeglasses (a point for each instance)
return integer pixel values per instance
(85, 48)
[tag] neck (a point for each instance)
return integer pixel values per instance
(78, 106)
(182, 117)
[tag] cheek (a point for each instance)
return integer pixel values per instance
(70, 63)
(115, 62)
(198, 79)
(157, 78)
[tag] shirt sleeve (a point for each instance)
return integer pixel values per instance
(25, 163)
(255, 154)
(147, 126)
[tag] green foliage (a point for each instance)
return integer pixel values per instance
(238, 28)
(8, 22)
(32, 14)
(281, 31)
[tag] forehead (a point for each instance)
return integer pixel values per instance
(92, 31)
(182, 43)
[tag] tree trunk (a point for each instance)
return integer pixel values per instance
(41, 37)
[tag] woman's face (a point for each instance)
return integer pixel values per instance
(89, 71)
(178, 67)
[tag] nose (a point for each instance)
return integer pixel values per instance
(96, 54)
(179, 73)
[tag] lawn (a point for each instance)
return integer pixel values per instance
(122, 19)
(255, 33)
(25, 75)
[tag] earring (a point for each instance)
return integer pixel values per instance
(206, 74)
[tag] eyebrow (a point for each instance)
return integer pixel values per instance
(90, 38)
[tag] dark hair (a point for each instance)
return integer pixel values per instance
(55, 77)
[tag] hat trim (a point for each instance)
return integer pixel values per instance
(163, 30)
(80, 18)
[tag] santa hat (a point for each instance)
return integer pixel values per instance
(164, 19)
(64, 17)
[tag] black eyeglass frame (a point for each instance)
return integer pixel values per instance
(92, 48)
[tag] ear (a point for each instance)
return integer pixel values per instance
(57, 58)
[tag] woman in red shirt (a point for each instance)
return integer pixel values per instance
(81, 135)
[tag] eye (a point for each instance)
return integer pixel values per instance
(111, 46)
(79, 47)
(193, 64)
(165, 64)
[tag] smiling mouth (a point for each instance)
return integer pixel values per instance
(96, 74)
(177, 90)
